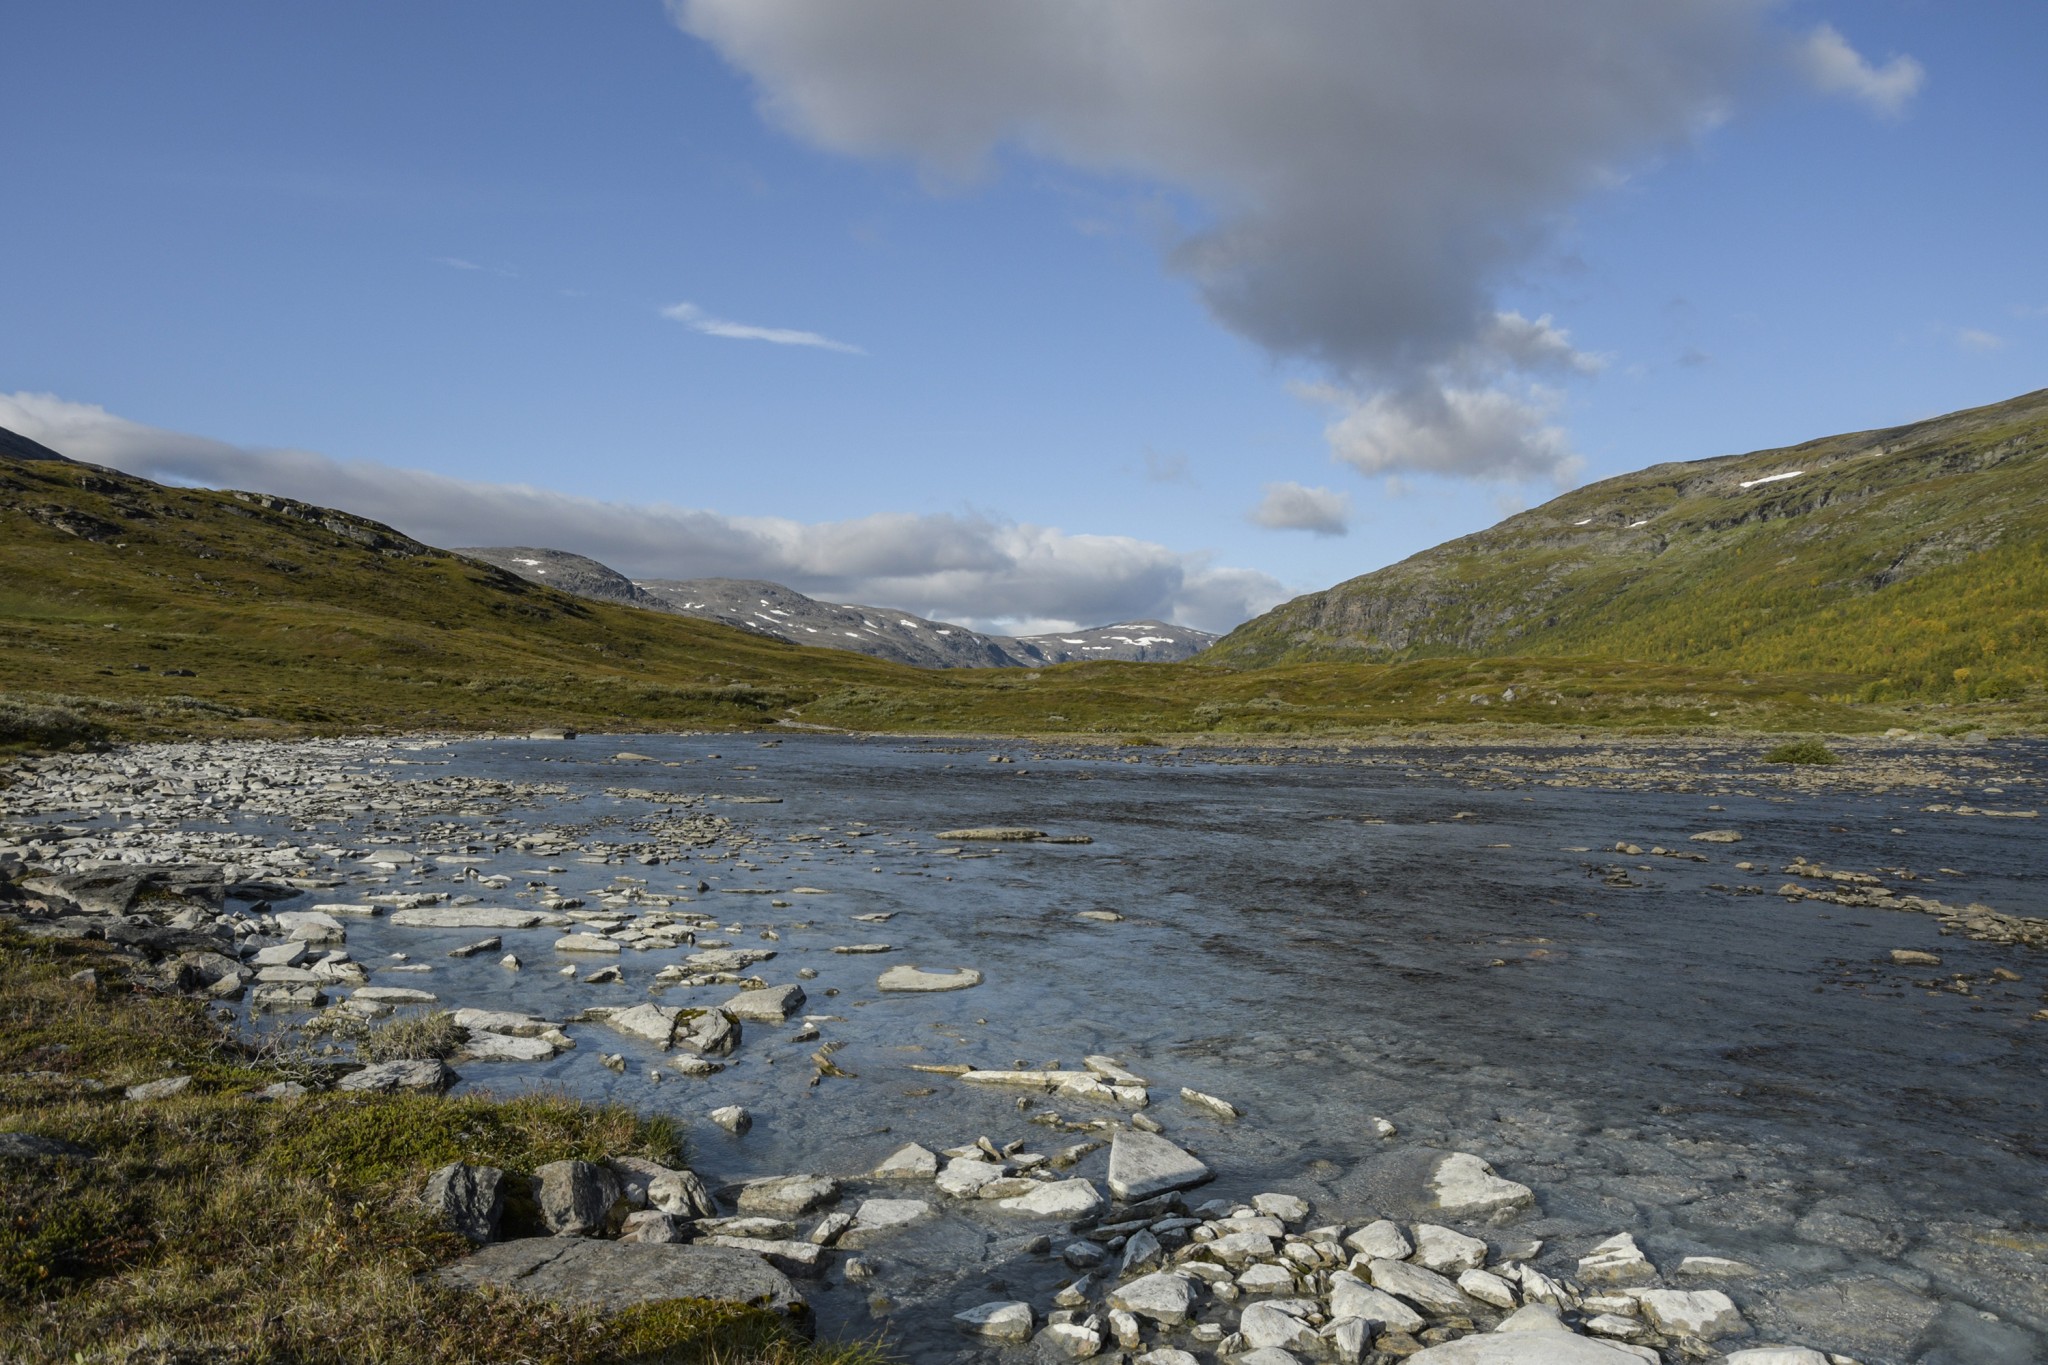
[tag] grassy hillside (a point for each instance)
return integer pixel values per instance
(1913, 559)
(131, 609)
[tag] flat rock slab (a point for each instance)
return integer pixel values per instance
(579, 1272)
(470, 917)
(1524, 1348)
(385, 1078)
(999, 834)
(1465, 1186)
(770, 1005)
(1142, 1165)
(908, 978)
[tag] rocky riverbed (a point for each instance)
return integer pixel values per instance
(1521, 1052)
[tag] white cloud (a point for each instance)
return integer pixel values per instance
(1512, 341)
(1296, 507)
(695, 318)
(977, 570)
(1976, 339)
(1360, 173)
(456, 263)
(1352, 180)
(1836, 68)
(1450, 431)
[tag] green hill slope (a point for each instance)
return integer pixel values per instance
(133, 610)
(189, 603)
(1914, 559)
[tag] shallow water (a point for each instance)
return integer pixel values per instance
(1322, 943)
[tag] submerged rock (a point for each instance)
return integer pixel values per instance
(917, 979)
(1466, 1187)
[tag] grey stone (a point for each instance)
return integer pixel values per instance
(965, 1175)
(878, 1217)
(1351, 1297)
(1466, 1187)
(788, 1195)
(383, 1078)
(1271, 1325)
(1166, 1299)
(917, 979)
(1447, 1252)
(771, 1005)
(908, 1162)
(1382, 1240)
(1056, 1199)
(1617, 1258)
(610, 1276)
(1142, 1165)
(711, 1033)
(468, 917)
(1525, 1348)
(802, 1258)
(1426, 1289)
(575, 1198)
(35, 1147)
(1702, 1313)
(733, 1118)
(1004, 1321)
(652, 1226)
(1288, 1208)
(159, 1090)
(831, 1228)
(467, 1199)
(1068, 1341)
(655, 1023)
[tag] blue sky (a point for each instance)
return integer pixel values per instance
(1096, 292)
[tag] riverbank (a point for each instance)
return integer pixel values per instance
(170, 1193)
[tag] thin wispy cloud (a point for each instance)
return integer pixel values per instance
(697, 320)
(456, 263)
(1167, 467)
(1977, 339)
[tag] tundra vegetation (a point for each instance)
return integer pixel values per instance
(211, 1225)
(131, 610)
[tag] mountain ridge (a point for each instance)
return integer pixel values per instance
(783, 613)
(1902, 553)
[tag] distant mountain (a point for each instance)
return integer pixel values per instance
(1152, 642)
(787, 614)
(891, 634)
(571, 573)
(883, 632)
(1913, 556)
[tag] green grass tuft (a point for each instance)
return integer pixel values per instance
(1803, 751)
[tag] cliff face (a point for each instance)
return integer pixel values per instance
(1834, 555)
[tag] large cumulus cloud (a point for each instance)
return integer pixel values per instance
(1357, 179)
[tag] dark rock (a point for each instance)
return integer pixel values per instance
(467, 1199)
(35, 1147)
(575, 1198)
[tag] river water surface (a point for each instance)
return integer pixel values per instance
(1652, 1044)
